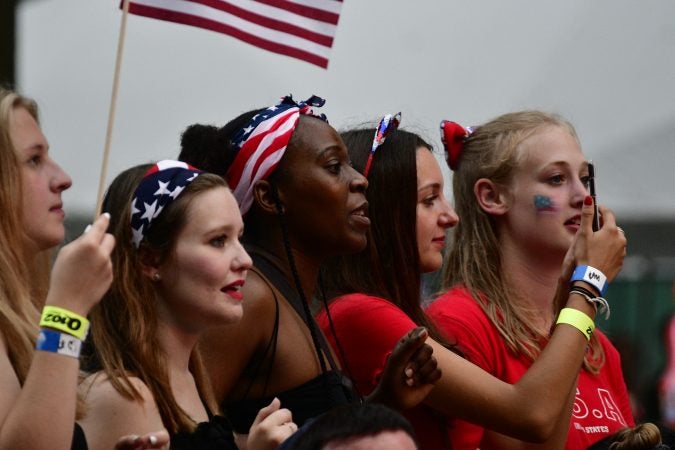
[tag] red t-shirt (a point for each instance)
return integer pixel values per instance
(368, 329)
(601, 407)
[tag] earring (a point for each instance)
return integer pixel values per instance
(156, 276)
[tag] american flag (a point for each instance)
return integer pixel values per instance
(302, 29)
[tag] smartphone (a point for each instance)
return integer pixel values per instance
(591, 188)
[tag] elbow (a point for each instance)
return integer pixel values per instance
(538, 426)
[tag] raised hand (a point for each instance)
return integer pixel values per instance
(82, 272)
(272, 426)
(604, 249)
(410, 373)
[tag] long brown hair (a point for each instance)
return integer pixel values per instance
(124, 323)
(23, 277)
(475, 258)
(389, 267)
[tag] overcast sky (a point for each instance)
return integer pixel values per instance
(607, 65)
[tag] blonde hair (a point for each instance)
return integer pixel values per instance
(124, 323)
(23, 277)
(644, 436)
(491, 151)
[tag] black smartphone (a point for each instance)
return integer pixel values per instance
(591, 188)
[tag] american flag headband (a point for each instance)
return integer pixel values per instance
(388, 123)
(161, 185)
(261, 144)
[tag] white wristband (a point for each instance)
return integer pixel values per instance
(60, 343)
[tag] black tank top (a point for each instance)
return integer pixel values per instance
(216, 434)
(312, 398)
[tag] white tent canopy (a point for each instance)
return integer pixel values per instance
(607, 65)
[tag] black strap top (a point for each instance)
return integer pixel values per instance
(314, 397)
(79, 440)
(216, 434)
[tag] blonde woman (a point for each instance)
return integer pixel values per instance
(520, 184)
(39, 387)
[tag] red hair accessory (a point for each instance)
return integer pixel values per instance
(453, 136)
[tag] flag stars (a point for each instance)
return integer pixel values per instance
(149, 211)
(137, 236)
(162, 188)
(248, 129)
(176, 192)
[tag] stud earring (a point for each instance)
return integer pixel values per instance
(156, 276)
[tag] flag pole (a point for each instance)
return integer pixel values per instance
(113, 105)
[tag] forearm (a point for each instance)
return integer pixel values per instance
(43, 414)
(492, 440)
(528, 410)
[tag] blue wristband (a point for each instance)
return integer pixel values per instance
(592, 276)
(60, 343)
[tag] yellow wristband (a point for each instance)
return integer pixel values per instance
(64, 320)
(578, 320)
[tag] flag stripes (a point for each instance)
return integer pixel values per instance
(302, 29)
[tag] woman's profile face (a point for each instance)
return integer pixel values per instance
(42, 181)
(200, 281)
(547, 192)
(323, 196)
(434, 213)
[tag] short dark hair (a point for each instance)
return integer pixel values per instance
(351, 421)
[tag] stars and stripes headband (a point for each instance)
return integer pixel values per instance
(453, 136)
(387, 124)
(161, 185)
(261, 144)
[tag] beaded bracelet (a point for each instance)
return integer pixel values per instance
(64, 320)
(578, 320)
(592, 276)
(60, 343)
(597, 302)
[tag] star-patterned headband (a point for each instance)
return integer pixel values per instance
(261, 144)
(161, 185)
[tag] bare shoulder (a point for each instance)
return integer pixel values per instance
(110, 414)
(228, 349)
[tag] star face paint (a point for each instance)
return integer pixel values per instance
(543, 203)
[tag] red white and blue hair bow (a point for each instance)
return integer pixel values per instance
(261, 144)
(453, 136)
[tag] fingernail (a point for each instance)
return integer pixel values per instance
(88, 227)
(153, 438)
(588, 201)
(107, 214)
